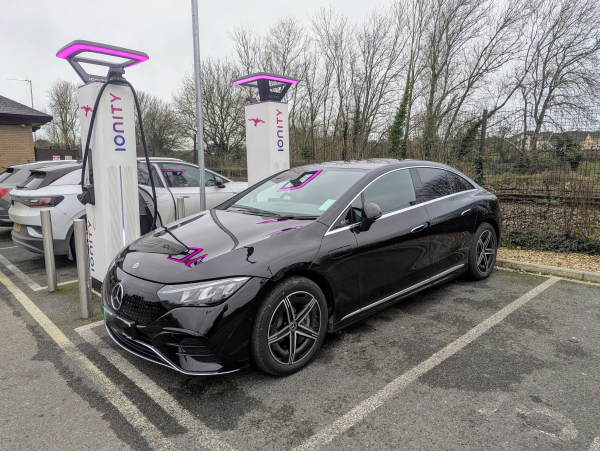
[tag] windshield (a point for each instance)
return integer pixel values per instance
(300, 191)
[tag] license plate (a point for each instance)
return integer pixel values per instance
(17, 227)
(126, 327)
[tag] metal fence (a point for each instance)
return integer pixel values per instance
(547, 177)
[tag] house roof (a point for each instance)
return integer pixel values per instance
(12, 112)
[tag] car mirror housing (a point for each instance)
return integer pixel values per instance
(370, 213)
(219, 183)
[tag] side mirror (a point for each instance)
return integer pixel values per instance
(219, 182)
(370, 213)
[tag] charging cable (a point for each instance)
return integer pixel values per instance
(87, 191)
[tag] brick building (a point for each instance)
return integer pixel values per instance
(17, 123)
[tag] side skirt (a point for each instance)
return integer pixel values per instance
(364, 312)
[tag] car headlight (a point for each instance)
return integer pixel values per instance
(201, 293)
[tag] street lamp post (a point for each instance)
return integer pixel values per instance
(27, 80)
(199, 122)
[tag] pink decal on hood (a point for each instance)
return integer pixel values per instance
(188, 259)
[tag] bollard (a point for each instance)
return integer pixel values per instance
(83, 268)
(48, 249)
(181, 207)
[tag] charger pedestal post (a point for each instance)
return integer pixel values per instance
(267, 125)
(113, 220)
(110, 190)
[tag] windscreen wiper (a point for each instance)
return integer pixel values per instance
(255, 211)
(298, 217)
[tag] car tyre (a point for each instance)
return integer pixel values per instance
(482, 255)
(292, 317)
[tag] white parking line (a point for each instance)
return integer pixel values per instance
(20, 274)
(357, 414)
(109, 390)
(68, 282)
(9, 247)
(199, 432)
(89, 326)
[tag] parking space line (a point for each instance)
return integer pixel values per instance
(9, 247)
(20, 274)
(200, 433)
(88, 326)
(109, 390)
(370, 404)
(68, 282)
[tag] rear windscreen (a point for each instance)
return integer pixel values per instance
(39, 180)
(6, 174)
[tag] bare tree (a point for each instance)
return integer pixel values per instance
(464, 44)
(161, 128)
(561, 62)
(223, 107)
(63, 105)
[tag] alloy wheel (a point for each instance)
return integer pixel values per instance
(486, 249)
(294, 327)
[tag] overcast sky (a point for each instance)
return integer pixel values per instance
(32, 31)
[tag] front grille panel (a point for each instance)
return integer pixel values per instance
(140, 301)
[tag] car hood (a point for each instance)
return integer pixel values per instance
(217, 244)
(237, 187)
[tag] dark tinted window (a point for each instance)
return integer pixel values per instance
(143, 178)
(6, 174)
(434, 184)
(39, 180)
(392, 192)
(458, 183)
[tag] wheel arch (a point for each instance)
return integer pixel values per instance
(491, 221)
(315, 277)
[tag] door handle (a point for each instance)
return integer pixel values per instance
(466, 212)
(419, 228)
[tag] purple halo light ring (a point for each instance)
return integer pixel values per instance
(317, 172)
(241, 81)
(107, 51)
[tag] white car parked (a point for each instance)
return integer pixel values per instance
(52, 188)
(15, 175)
(175, 178)
(56, 188)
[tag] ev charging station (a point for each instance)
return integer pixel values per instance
(267, 126)
(110, 183)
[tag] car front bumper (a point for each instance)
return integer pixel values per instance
(196, 341)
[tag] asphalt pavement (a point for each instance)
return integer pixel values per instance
(512, 362)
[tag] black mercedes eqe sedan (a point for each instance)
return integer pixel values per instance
(263, 277)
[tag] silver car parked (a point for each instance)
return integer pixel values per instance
(14, 176)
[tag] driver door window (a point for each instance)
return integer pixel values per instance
(392, 192)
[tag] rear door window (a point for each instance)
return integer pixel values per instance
(434, 184)
(72, 178)
(392, 192)
(458, 183)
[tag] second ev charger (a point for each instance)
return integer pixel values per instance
(110, 183)
(267, 126)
